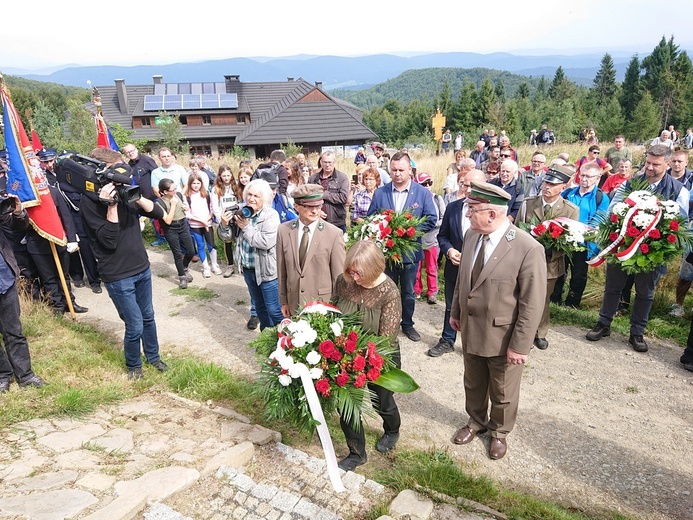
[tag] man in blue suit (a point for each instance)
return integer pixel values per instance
(450, 237)
(402, 194)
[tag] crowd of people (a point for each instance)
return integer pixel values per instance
(282, 225)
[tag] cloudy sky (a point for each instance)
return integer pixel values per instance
(152, 32)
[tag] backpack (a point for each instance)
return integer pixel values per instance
(267, 173)
(282, 206)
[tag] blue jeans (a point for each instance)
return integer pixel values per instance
(404, 277)
(132, 298)
(265, 297)
(449, 334)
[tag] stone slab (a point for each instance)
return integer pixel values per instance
(51, 505)
(160, 483)
(410, 503)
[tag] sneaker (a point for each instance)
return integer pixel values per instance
(159, 242)
(34, 381)
(135, 374)
(431, 299)
(677, 311)
(216, 269)
(638, 343)
(188, 275)
(440, 348)
(229, 272)
(387, 442)
(598, 332)
(182, 282)
(352, 461)
(253, 323)
(207, 272)
(160, 366)
(78, 283)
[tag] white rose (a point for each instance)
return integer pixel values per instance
(315, 373)
(313, 357)
(336, 327)
(285, 379)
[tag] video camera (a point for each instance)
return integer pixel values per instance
(6, 203)
(87, 176)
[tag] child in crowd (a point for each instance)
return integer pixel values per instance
(200, 217)
(429, 242)
(176, 229)
(224, 196)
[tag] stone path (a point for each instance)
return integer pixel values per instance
(162, 457)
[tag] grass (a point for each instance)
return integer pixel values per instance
(195, 293)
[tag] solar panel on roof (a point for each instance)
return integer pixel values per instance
(190, 101)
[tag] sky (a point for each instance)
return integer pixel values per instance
(155, 32)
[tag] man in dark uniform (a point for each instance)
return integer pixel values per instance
(15, 360)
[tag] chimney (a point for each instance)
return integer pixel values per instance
(122, 95)
(158, 79)
(232, 77)
(289, 79)
(318, 84)
(233, 83)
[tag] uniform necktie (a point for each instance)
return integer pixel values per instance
(479, 262)
(303, 248)
(547, 210)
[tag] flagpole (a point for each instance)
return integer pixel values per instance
(63, 282)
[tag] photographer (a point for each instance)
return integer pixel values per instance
(114, 232)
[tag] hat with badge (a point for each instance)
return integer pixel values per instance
(308, 195)
(378, 145)
(485, 193)
(46, 155)
(557, 174)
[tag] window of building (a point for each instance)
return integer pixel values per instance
(146, 122)
(201, 150)
(241, 119)
(183, 120)
(206, 120)
(225, 149)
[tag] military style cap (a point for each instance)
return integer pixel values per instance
(557, 174)
(485, 193)
(308, 195)
(46, 155)
(378, 145)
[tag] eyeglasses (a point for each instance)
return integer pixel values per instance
(590, 176)
(352, 272)
(506, 156)
(471, 211)
(427, 183)
(596, 152)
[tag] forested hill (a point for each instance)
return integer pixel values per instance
(427, 83)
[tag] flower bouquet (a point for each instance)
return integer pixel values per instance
(641, 233)
(335, 355)
(560, 233)
(395, 233)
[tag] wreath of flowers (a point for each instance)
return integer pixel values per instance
(395, 233)
(340, 357)
(641, 233)
(562, 234)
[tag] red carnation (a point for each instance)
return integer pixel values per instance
(360, 380)
(336, 355)
(326, 348)
(353, 336)
(555, 230)
(539, 230)
(388, 212)
(359, 363)
(386, 231)
(342, 379)
(644, 248)
(671, 239)
(408, 215)
(654, 233)
(399, 232)
(373, 374)
(632, 231)
(411, 232)
(371, 348)
(389, 243)
(376, 361)
(674, 225)
(614, 218)
(613, 237)
(322, 386)
(350, 346)
(388, 218)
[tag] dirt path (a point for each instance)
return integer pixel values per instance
(600, 426)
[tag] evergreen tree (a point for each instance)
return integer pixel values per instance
(81, 135)
(486, 99)
(541, 92)
(631, 89)
(500, 91)
(522, 91)
(605, 81)
(646, 120)
(464, 109)
(561, 87)
(444, 100)
(48, 125)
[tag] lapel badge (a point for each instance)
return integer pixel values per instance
(510, 235)
(294, 224)
(321, 225)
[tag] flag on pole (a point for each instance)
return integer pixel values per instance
(35, 141)
(26, 179)
(104, 139)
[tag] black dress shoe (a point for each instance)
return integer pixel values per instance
(253, 322)
(541, 343)
(688, 366)
(352, 461)
(78, 283)
(638, 343)
(77, 308)
(96, 289)
(412, 334)
(4, 387)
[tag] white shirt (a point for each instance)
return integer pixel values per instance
(399, 197)
(493, 241)
(311, 231)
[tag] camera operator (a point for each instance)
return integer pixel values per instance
(15, 360)
(114, 232)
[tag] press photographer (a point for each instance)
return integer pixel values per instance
(111, 216)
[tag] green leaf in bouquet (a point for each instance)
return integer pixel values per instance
(398, 381)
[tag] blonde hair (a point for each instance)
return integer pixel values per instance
(366, 258)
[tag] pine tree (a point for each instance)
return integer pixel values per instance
(631, 90)
(500, 91)
(540, 93)
(486, 99)
(561, 88)
(522, 91)
(444, 100)
(464, 109)
(645, 123)
(605, 81)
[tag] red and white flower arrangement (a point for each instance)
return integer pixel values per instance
(562, 234)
